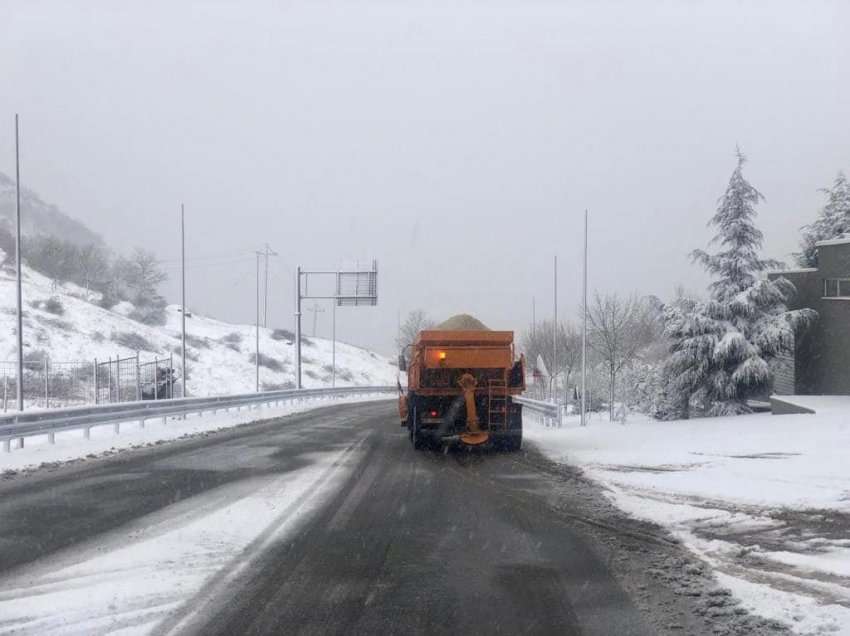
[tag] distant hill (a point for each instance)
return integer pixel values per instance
(42, 218)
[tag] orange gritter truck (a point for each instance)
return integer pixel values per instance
(460, 385)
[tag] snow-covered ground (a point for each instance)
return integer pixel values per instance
(219, 353)
(764, 499)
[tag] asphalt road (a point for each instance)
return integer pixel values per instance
(410, 542)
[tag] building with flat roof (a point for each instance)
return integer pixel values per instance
(820, 363)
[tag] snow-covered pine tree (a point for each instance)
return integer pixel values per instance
(721, 348)
(691, 337)
(832, 222)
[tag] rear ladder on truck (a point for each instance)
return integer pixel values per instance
(497, 405)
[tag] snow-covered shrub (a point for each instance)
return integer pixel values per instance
(36, 355)
(123, 308)
(190, 355)
(56, 324)
(133, 341)
(54, 306)
(152, 313)
(283, 334)
(232, 341)
(267, 361)
(196, 342)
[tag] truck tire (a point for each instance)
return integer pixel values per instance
(414, 430)
(512, 442)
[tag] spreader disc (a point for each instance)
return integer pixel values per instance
(474, 439)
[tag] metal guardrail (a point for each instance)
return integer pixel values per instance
(547, 410)
(49, 422)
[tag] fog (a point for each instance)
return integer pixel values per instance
(456, 142)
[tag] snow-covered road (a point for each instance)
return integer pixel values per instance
(129, 579)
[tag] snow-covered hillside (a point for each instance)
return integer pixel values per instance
(220, 354)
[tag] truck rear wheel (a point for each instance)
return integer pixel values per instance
(512, 442)
(415, 430)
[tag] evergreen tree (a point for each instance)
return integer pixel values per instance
(721, 348)
(833, 221)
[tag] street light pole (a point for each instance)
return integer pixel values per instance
(584, 330)
(183, 369)
(19, 294)
(268, 252)
(298, 327)
(555, 335)
(257, 352)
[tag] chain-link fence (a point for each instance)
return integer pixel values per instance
(52, 384)
(47, 383)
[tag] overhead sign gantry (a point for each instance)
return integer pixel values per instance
(351, 288)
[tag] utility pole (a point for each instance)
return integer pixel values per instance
(257, 352)
(18, 292)
(584, 329)
(268, 252)
(183, 369)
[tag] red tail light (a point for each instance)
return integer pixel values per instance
(433, 413)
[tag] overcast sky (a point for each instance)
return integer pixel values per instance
(456, 142)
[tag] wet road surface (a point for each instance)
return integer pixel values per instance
(406, 542)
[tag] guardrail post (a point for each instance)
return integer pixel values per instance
(20, 442)
(117, 427)
(138, 382)
(7, 445)
(51, 437)
(87, 432)
(142, 423)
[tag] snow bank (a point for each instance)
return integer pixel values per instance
(764, 499)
